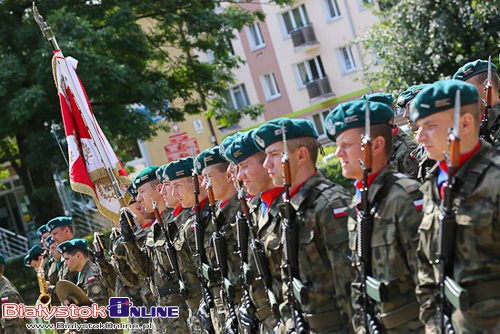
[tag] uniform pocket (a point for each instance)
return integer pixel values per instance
(388, 261)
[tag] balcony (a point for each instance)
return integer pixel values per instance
(303, 38)
(319, 88)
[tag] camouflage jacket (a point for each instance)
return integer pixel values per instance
(324, 262)
(476, 198)
(403, 146)
(269, 232)
(90, 281)
(52, 276)
(494, 128)
(394, 241)
(9, 294)
(424, 163)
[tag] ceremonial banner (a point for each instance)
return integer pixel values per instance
(93, 165)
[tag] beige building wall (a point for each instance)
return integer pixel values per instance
(281, 58)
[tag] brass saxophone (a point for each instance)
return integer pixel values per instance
(44, 298)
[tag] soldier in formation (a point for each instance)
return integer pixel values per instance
(315, 259)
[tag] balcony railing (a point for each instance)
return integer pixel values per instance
(303, 37)
(319, 88)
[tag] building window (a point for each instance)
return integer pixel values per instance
(238, 97)
(347, 60)
(295, 18)
(319, 121)
(255, 36)
(310, 70)
(333, 9)
(270, 86)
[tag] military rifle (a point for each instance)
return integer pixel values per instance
(220, 247)
(170, 250)
(448, 289)
(246, 225)
(488, 90)
(205, 272)
(297, 293)
(363, 238)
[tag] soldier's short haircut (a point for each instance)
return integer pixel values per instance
(385, 131)
(310, 143)
(153, 183)
(71, 228)
(221, 167)
(481, 77)
(261, 156)
(472, 109)
(85, 252)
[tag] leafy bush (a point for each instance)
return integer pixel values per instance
(329, 165)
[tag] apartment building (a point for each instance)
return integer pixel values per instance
(300, 62)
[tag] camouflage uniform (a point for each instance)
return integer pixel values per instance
(424, 163)
(494, 128)
(269, 231)
(52, 276)
(90, 281)
(151, 261)
(403, 146)
(477, 238)
(394, 242)
(218, 317)
(119, 278)
(226, 217)
(323, 257)
(9, 294)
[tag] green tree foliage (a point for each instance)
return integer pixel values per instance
(120, 65)
(329, 165)
(425, 41)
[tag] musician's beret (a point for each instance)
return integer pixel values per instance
(226, 142)
(49, 241)
(58, 222)
(379, 97)
(409, 94)
(33, 253)
(352, 114)
(72, 244)
(42, 230)
(210, 156)
(242, 148)
(179, 169)
(146, 175)
(271, 132)
(440, 96)
(473, 68)
(2, 259)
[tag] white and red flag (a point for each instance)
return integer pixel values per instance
(94, 168)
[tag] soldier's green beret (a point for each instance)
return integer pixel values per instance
(211, 156)
(441, 96)
(132, 190)
(69, 245)
(473, 68)
(351, 115)
(49, 241)
(242, 148)
(2, 259)
(146, 175)
(225, 143)
(159, 173)
(41, 230)
(33, 253)
(58, 222)
(409, 94)
(379, 97)
(270, 132)
(179, 169)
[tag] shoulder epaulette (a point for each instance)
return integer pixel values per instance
(408, 184)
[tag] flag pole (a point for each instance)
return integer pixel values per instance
(96, 138)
